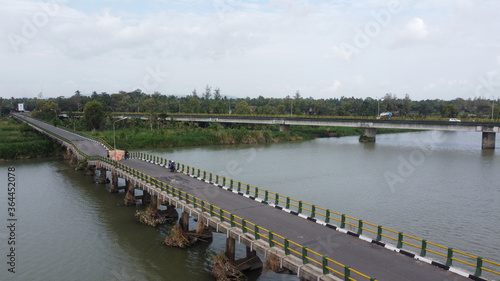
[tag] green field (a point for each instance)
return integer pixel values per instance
(18, 141)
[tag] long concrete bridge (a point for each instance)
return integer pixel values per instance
(487, 128)
(306, 240)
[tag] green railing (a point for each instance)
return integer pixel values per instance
(421, 247)
(273, 239)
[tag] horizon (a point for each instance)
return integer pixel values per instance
(324, 50)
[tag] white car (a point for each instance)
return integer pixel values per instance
(454, 120)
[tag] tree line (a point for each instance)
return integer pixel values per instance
(213, 102)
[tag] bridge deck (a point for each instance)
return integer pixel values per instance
(368, 258)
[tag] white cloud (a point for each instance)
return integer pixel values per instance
(415, 31)
(337, 52)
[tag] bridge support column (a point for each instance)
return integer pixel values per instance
(166, 210)
(184, 222)
(154, 202)
(172, 212)
(488, 140)
(128, 185)
(231, 248)
(250, 253)
(102, 176)
(284, 128)
(130, 196)
(146, 198)
(114, 182)
(369, 135)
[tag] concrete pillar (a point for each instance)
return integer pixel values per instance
(369, 135)
(231, 248)
(284, 128)
(184, 222)
(251, 253)
(154, 201)
(488, 140)
(171, 212)
(129, 196)
(146, 198)
(128, 185)
(370, 132)
(102, 176)
(114, 182)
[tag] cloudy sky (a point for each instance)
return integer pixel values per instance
(324, 49)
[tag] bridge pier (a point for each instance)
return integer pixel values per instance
(146, 198)
(128, 185)
(102, 176)
(167, 210)
(369, 135)
(130, 196)
(184, 221)
(114, 182)
(250, 262)
(230, 248)
(284, 128)
(488, 140)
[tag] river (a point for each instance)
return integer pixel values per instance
(433, 185)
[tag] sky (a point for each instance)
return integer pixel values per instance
(443, 49)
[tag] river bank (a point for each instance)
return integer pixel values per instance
(20, 141)
(139, 137)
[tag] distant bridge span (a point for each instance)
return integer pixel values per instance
(488, 129)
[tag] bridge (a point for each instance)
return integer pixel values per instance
(370, 124)
(309, 241)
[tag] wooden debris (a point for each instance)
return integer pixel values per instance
(177, 238)
(225, 270)
(150, 216)
(181, 239)
(130, 198)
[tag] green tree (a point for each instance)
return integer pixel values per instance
(94, 114)
(47, 110)
(280, 109)
(449, 111)
(242, 108)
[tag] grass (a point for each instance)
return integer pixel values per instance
(183, 135)
(19, 141)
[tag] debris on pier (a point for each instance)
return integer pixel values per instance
(151, 216)
(182, 239)
(130, 198)
(225, 270)
(177, 238)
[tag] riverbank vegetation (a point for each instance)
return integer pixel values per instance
(194, 134)
(18, 141)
